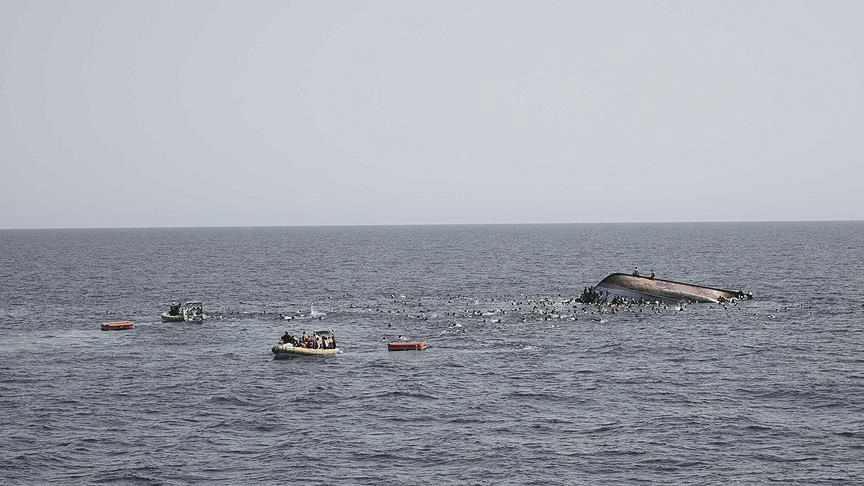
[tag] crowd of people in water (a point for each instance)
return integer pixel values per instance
(313, 341)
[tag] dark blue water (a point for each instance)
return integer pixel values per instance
(519, 385)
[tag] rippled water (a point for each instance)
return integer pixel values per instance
(519, 384)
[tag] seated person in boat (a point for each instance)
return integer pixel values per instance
(325, 342)
(314, 341)
(307, 341)
(288, 339)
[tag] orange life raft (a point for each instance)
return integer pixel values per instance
(406, 346)
(117, 326)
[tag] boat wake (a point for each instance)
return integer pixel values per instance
(316, 314)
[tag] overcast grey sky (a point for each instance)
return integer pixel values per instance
(239, 113)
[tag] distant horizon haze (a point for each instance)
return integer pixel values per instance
(587, 223)
(316, 113)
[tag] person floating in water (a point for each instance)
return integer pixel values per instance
(635, 271)
(652, 274)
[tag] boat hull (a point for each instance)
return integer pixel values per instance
(288, 351)
(193, 318)
(651, 289)
(406, 346)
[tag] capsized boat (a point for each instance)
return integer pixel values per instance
(406, 346)
(192, 311)
(319, 343)
(117, 326)
(637, 287)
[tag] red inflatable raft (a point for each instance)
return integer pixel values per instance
(406, 346)
(117, 326)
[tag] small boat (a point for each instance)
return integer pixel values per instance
(406, 346)
(621, 285)
(192, 311)
(319, 343)
(117, 326)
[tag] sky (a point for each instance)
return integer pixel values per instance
(148, 113)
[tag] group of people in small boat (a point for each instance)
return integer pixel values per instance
(175, 310)
(313, 341)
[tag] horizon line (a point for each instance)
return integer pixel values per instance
(350, 225)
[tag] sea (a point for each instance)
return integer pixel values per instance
(520, 383)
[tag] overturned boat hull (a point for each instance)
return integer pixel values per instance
(650, 289)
